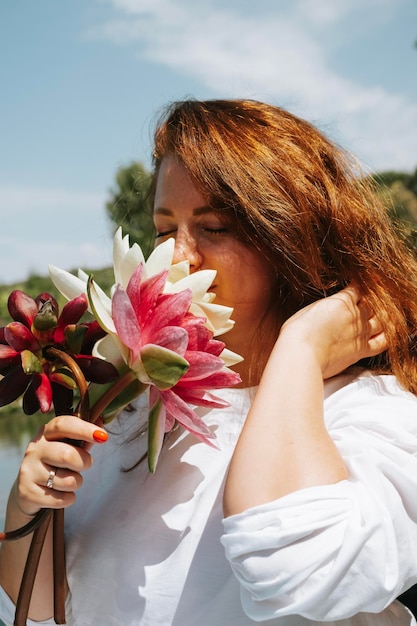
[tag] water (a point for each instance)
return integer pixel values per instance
(16, 430)
(10, 457)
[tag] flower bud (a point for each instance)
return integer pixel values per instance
(19, 337)
(22, 307)
(73, 310)
(46, 318)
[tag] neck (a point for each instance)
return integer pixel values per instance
(255, 353)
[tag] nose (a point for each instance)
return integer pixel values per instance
(187, 249)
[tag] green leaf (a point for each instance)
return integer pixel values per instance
(156, 429)
(125, 397)
(164, 367)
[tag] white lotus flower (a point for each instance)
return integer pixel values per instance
(126, 259)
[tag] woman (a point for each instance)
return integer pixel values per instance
(317, 466)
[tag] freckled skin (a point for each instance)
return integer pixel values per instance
(243, 280)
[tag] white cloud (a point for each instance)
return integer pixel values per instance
(51, 226)
(281, 56)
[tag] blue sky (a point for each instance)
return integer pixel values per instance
(82, 81)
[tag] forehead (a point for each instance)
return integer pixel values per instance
(174, 186)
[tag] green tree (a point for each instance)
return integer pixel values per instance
(398, 191)
(129, 205)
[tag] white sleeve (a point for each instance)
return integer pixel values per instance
(7, 611)
(332, 551)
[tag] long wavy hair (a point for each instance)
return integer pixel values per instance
(305, 204)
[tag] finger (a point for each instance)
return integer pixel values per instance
(72, 427)
(32, 493)
(375, 326)
(57, 479)
(353, 291)
(377, 344)
(57, 454)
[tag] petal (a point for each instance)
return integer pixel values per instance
(110, 348)
(188, 418)
(170, 311)
(147, 297)
(160, 258)
(133, 290)
(172, 337)
(218, 380)
(30, 363)
(150, 291)
(125, 259)
(62, 399)
(156, 428)
(217, 316)
(43, 391)
(47, 298)
(69, 285)
(230, 358)
(200, 397)
(100, 305)
(74, 335)
(93, 334)
(30, 403)
(125, 322)
(62, 377)
(202, 365)
(199, 283)
(8, 358)
(13, 385)
(97, 370)
(22, 307)
(19, 337)
(178, 271)
(83, 275)
(73, 311)
(200, 337)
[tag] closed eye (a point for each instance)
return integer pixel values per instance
(215, 231)
(166, 233)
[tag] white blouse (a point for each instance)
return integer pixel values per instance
(149, 550)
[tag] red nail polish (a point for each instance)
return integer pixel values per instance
(100, 436)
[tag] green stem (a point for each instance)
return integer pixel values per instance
(116, 388)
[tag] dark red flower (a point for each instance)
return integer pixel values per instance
(27, 364)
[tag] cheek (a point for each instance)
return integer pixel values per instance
(251, 279)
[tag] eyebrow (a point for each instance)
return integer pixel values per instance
(202, 210)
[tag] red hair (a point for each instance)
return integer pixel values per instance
(304, 203)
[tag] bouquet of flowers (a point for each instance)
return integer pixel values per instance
(155, 334)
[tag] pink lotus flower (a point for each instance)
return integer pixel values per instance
(169, 349)
(159, 321)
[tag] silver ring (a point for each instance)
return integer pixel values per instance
(50, 481)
